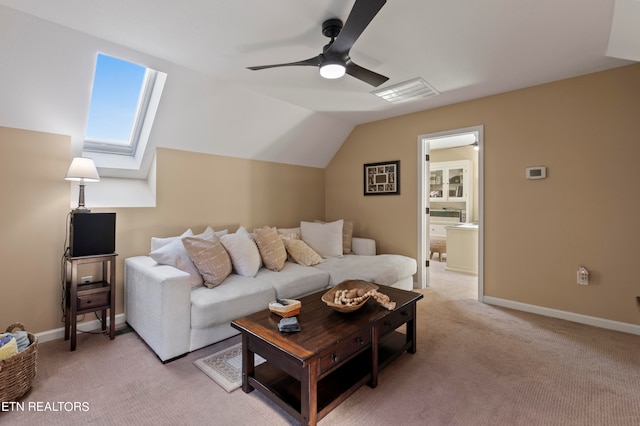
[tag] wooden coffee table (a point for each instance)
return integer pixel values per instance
(311, 372)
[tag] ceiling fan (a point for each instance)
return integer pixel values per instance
(334, 61)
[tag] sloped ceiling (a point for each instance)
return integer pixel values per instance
(464, 49)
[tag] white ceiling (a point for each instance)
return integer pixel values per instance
(464, 49)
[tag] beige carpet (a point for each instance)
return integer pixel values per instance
(476, 364)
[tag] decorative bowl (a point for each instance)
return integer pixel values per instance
(329, 296)
(291, 309)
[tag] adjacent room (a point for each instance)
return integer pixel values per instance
(319, 212)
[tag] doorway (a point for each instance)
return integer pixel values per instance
(442, 140)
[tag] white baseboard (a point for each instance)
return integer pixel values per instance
(58, 333)
(569, 316)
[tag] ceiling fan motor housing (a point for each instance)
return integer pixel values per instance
(331, 28)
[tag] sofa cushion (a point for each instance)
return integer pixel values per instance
(294, 280)
(324, 238)
(385, 269)
(243, 252)
(237, 296)
(210, 257)
(271, 248)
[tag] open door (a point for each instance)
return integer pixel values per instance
(427, 143)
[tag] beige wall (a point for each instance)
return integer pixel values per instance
(193, 190)
(585, 130)
(33, 212)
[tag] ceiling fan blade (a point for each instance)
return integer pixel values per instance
(365, 75)
(361, 15)
(315, 61)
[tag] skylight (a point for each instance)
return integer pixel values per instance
(124, 101)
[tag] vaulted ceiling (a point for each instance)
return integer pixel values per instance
(464, 49)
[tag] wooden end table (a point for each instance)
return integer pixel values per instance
(309, 373)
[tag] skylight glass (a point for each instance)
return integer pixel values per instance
(117, 87)
(124, 100)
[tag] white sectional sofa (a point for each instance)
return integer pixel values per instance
(174, 316)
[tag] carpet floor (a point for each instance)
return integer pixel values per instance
(476, 364)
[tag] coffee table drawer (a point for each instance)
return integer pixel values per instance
(341, 351)
(395, 320)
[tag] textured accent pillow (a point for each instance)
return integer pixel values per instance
(347, 236)
(301, 253)
(243, 252)
(271, 248)
(290, 231)
(324, 238)
(210, 257)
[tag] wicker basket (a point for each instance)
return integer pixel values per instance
(17, 371)
(290, 310)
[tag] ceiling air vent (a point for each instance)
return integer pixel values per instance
(406, 91)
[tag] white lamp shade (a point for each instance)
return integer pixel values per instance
(332, 69)
(83, 169)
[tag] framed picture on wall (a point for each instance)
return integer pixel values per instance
(382, 178)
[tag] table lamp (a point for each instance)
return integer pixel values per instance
(82, 170)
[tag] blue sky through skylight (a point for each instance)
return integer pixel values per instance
(117, 86)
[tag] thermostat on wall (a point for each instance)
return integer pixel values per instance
(537, 172)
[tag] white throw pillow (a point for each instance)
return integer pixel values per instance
(174, 254)
(156, 242)
(171, 251)
(324, 238)
(243, 252)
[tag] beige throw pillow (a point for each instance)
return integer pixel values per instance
(271, 248)
(301, 253)
(210, 257)
(347, 236)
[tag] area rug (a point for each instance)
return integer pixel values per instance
(225, 367)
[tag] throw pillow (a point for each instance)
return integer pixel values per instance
(289, 231)
(347, 236)
(271, 248)
(324, 238)
(210, 257)
(243, 252)
(157, 243)
(301, 253)
(209, 231)
(174, 254)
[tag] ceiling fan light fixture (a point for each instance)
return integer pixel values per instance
(332, 69)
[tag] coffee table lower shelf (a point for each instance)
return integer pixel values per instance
(333, 389)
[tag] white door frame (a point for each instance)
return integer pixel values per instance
(424, 148)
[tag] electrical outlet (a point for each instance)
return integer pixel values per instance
(583, 275)
(86, 280)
